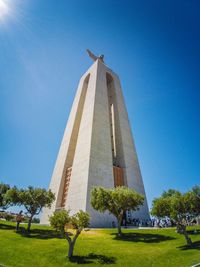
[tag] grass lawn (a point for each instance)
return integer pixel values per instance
(138, 248)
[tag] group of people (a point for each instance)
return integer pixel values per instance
(148, 223)
(157, 223)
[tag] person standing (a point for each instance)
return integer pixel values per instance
(19, 219)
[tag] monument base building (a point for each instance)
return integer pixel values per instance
(97, 148)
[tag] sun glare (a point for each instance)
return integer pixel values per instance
(4, 9)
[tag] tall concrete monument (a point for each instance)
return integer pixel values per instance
(97, 147)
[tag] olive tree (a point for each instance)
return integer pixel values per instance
(116, 200)
(33, 199)
(196, 190)
(181, 208)
(61, 221)
(4, 202)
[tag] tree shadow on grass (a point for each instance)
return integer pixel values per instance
(195, 245)
(39, 234)
(93, 258)
(34, 233)
(193, 232)
(146, 238)
(4, 226)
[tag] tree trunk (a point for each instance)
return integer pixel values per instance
(71, 250)
(72, 243)
(188, 239)
(119, 228)
(29, 223)
(181, 229)
(119, 221)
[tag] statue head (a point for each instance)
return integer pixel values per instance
(101, 57)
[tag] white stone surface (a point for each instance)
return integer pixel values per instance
(87, 147)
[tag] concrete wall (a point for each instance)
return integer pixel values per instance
(87, 146)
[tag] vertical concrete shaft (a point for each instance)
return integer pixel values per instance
(97, 136)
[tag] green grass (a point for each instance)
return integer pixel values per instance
(138, 248)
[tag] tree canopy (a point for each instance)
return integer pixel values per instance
(116, 200)
(182, 208)
(33, 199)
(196, 190)
(4, 202)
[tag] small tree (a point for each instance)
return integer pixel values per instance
(33, 199)
(181, 208)
(196, 191)
(60, 220)
(4, 202)
(116, 200)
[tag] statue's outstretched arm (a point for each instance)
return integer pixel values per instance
(91, 55)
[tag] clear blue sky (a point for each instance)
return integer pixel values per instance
(154, 46)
